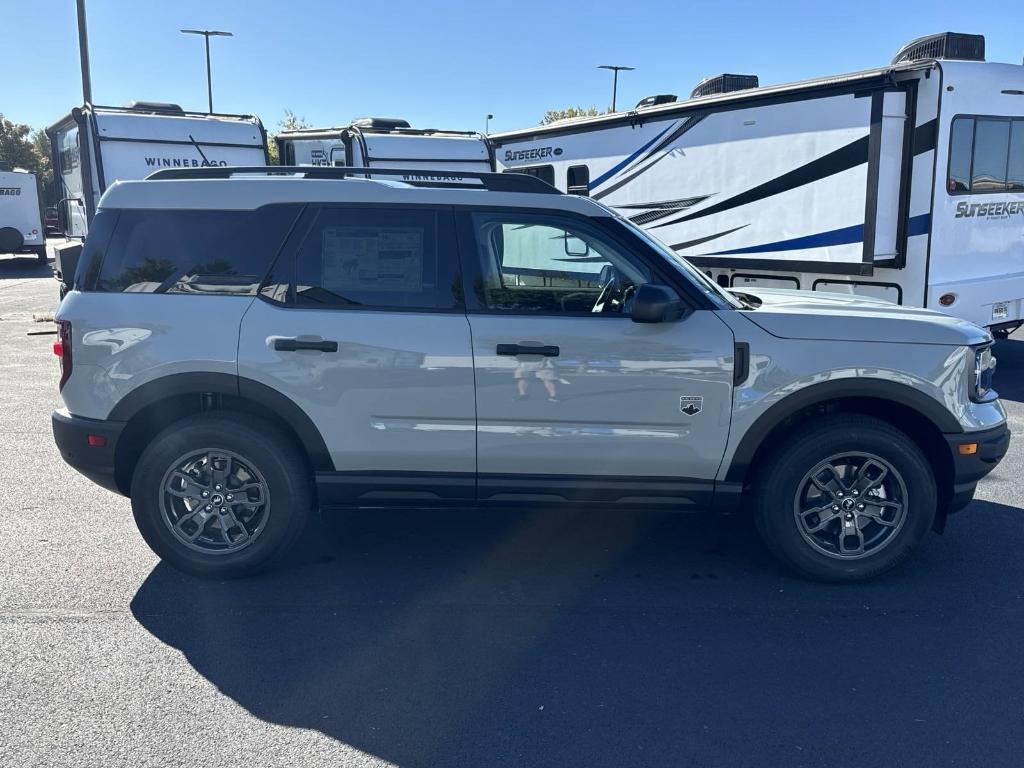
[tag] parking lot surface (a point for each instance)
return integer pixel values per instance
(514, 638)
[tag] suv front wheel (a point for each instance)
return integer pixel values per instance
(221, 495)
(844, 498)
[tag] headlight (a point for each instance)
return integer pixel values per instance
(981, 380)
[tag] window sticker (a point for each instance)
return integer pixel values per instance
(373, 259)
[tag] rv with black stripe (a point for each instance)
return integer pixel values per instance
(904, 182)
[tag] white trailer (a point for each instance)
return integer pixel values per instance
(21, 213)
(95, 146)
(904, 182)
(386, 143)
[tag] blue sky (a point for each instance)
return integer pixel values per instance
(447, 64)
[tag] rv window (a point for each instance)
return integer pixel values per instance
(961, 141)
(986, 154)
(378, 259)
(541, 263)
(545, 173)
(1015, 167)
(220, 252)
(578, 180)
(991, 142)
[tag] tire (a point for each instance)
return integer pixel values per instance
(254, 535)
(11, 240)
(846, 453)
(41, 254)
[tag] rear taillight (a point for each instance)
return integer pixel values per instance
(62, 349)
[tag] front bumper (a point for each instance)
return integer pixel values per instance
(96, 462)
(969, 468)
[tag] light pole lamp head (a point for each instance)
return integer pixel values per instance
(207, 32)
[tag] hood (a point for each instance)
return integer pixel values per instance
(813, 315)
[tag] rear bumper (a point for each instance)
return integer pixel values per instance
(969, 468)
(96, 462)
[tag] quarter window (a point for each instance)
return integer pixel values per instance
(986, 154)
(378, 259)
(220, 252)
(541, 263)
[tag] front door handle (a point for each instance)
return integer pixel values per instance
(514, 350)
(295, 345)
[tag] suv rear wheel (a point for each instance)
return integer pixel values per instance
(219, 495)
(845, 498)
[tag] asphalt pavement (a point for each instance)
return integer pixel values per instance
(513, 638)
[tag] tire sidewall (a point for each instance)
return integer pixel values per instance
(781, 483)
(264, 450)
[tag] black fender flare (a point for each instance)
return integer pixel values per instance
(854, 387)
(235, 386)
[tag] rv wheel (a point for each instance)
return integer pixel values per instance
(41, 253)
(11, 240)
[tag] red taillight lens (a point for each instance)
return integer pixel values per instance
(62, 349)
(96, 441)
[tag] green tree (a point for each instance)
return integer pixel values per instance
(16, 146)
(44, 169)
(554, 115)
(290, 122)
(20, 147)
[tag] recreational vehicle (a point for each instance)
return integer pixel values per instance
(904, 182)
(386, 143)
(94, 146)
(21, 213)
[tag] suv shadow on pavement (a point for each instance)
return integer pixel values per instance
(535, 637)
(21, 267)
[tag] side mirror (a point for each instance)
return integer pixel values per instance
(574, 246)
(655, 303)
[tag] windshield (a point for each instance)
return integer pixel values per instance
(711, 289)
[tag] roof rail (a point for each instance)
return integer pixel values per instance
(417, 177)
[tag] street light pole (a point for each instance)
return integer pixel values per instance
(208, 33)
(83, 54)
(487, 123)
(615, 78)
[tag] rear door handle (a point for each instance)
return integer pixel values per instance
(514, 350)
(295, 345)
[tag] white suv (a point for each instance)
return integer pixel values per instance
(243, 347)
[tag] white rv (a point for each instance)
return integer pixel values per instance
(93, 147)
(21, 213)
(904, 182)
(386, 143)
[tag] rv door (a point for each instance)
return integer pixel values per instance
(69, 173)
(889, 161)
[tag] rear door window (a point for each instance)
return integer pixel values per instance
(176, 251)
(379, 258)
